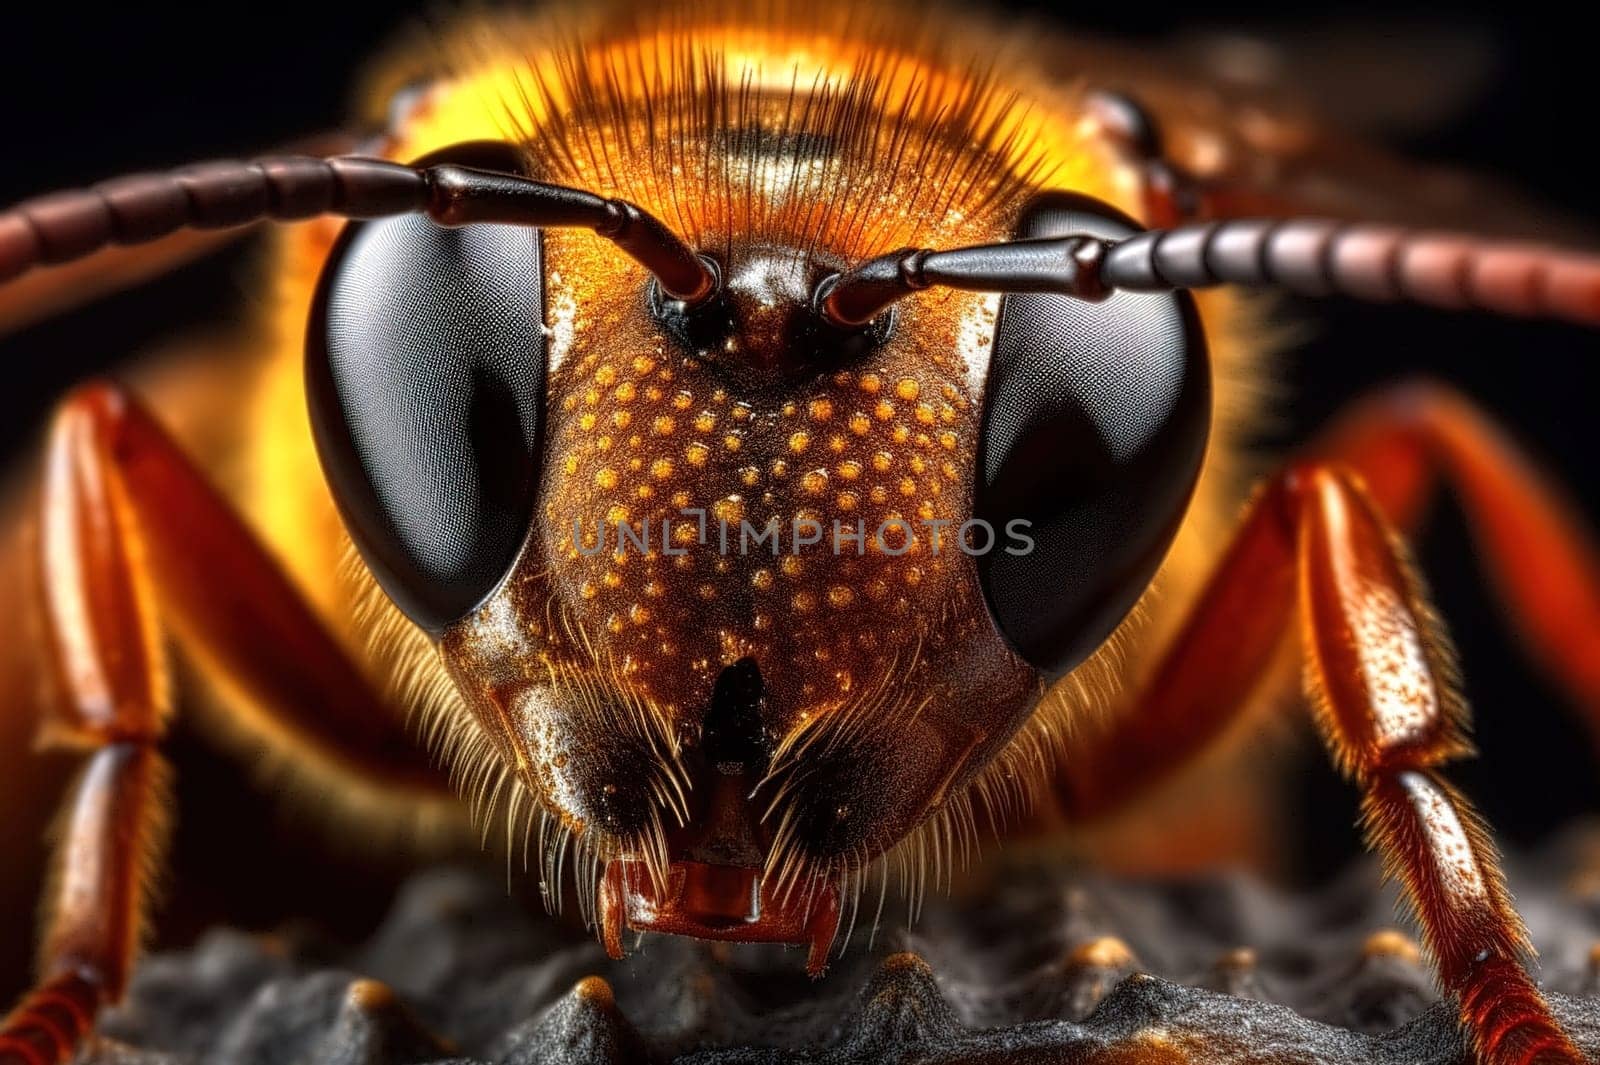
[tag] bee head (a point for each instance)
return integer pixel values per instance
(731, 583)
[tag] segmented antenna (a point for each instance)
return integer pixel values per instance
(66, 226)
(1312, 257)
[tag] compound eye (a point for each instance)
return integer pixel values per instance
(425, 368)
(1095, 424)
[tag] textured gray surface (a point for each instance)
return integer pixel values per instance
(997, 976)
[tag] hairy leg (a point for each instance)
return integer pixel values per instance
(1315, 548)
(1406, 440)
(132, 539)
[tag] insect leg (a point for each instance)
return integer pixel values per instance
(114, 832)
(218, 590)
(1537, 548)
(1382, 683)
(131, 537)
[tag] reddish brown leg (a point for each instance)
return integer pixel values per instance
(113, 830)
(130, 531)
(1538, 551)
(1382, 684)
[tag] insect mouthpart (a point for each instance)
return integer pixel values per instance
(722, 902)
(716, 885)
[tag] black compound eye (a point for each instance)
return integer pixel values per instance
(1095, 424)
(425, 368)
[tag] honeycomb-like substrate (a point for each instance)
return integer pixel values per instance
(1050, 967)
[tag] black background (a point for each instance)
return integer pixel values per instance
(89, 94)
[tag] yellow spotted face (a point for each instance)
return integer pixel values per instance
(752, 498)
(745, 559)
(782, 516)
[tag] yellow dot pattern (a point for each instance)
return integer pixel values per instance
(641, 431)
